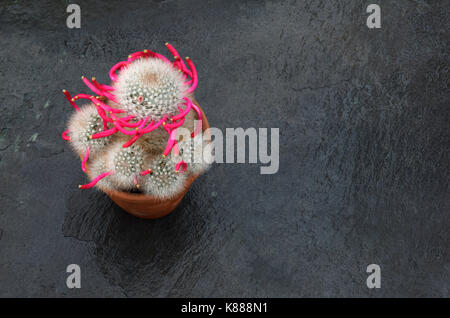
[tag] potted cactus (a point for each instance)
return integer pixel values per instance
(142, 139)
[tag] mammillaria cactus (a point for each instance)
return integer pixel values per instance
(150, 87)
(162, 182)
(82, 125)
(127, 136)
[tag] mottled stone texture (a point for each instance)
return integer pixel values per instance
(363, 117)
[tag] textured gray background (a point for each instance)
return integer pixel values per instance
(363, 117)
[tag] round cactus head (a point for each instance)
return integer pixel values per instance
(150, 88)
(82, 125)
(126, 164)
(128, 161)
(164, 181)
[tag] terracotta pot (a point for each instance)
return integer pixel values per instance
(147, 206)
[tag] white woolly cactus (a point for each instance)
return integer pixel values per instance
(97, 167)
(128, 137)
(164, 180)
(126, 165)
(150, 87)
(82, 125)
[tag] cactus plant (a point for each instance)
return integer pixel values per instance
(162, 182)
(127, 134)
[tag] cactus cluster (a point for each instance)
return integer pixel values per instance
(127, 136)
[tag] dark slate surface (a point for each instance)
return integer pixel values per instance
(363, 117)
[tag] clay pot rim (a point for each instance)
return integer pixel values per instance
(133, 197)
